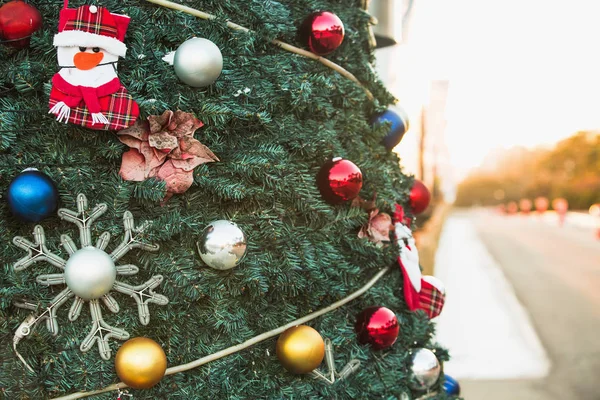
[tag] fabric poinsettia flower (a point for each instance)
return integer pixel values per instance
(378, 228)
(164, 147)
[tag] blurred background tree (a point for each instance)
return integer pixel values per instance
(571, 170)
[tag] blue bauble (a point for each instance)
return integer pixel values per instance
(399, 122)
(451, 385)
(32, 196)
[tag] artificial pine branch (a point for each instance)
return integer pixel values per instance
(272, 139)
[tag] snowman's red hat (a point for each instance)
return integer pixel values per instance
(91, 26)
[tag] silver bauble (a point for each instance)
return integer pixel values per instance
(425, 370)
(198, 62)
(222, 245)
(90, 273)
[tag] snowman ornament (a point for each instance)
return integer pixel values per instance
(86, 91)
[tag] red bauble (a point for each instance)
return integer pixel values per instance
(339, 180)
(18, 21)
(419, 197)
(322, 32)
(377, 326)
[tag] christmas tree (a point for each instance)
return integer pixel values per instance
(244, 147)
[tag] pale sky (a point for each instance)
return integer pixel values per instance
(522, 72)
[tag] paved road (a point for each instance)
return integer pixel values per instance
(555, 273)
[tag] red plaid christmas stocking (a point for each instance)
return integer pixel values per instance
(420, 292)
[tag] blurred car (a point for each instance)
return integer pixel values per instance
(525, 205)
(512, 207)
(542, 204)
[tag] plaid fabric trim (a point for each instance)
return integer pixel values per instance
(122, 112)
(99, 23)
(431, 300)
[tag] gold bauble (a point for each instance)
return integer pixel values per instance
(300, 349)
(140, 363)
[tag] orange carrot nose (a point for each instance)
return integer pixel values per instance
(87, 61)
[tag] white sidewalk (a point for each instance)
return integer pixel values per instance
(486, 329)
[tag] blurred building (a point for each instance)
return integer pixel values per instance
(423, 150)
(434, 163)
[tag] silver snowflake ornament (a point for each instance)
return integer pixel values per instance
(90, 274)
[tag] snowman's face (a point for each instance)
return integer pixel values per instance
(84, 58)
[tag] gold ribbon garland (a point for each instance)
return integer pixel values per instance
(248, 343)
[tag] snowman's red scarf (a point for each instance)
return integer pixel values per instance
(74, 95)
